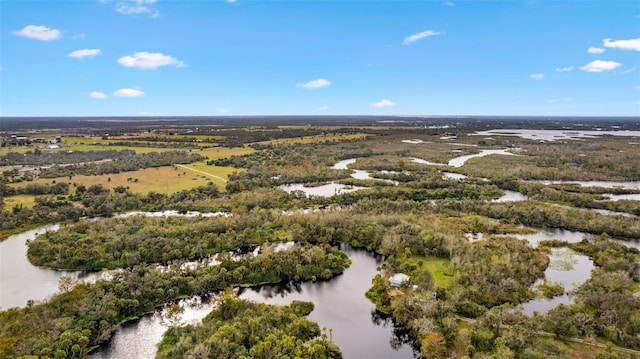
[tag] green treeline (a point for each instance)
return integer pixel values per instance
(129, 241)
(96, 200)
(239, 328)
(129, 163)
(47, 158)
(85, 315)
(539, 214)
(514, 266)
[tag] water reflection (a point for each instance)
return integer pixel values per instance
(551, 135)
(340, 304)
(511, 196)
(21, 281)
(623, 197)
(566, 267)
(401, 335)
(459, 161)
(603, 184)
(326, 190)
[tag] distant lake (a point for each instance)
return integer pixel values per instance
(553, 135)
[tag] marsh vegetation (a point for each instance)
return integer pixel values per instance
(436, 220)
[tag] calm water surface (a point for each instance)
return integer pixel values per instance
(326, 190)
(551, 135)
(21, 281)
(566, 267)
(340, 304)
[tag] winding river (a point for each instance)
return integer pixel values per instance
(340, 304)
(20, 281)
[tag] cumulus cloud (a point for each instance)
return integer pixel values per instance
(383, 103)
(421, 35)
(600, 66)
(81, 54)
(595, 50)
(314, 84)
(536, 76)
(137, 7)
(631, 44)
(149, 61)
(128, 92)
(323, 108)
(97, 95)
(564, 69)
(39, 32)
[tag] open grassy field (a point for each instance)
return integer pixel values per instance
(439, 267)
(315, 139)
(26, 200)
(222, 152)
(166, 179)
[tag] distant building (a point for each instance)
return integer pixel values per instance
(19, 140)
(398, 279)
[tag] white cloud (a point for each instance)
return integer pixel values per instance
(633, 69)
(553, 100)
(315, 84)
(600, 66)
(80, 54)
(564, 69)
(231, 1)
(631, 44)
(39, 32)
(421, 35)
(136, 7)
(97, 95)
(637, 102)
(149, 60)
(383, 103)
(80, 36)
(128, 92)
(536, 76)
(222, 110)
(323, 108)
(595, 50)
(447, 3)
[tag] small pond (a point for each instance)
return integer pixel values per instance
(566, 267)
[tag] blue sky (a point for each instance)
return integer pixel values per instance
(260, 57)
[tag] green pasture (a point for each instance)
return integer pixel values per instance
(168, 179)
(439, 267)
(24, 200)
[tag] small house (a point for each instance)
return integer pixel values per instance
(398, 279)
